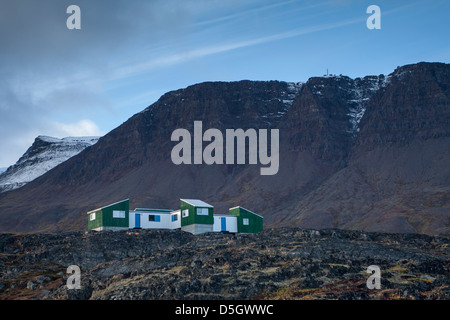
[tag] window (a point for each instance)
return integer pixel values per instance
(118, 214)
(174, 217)
(92, 216)
(202, 211)
(245, 222)
(154, 218)
(185, 213)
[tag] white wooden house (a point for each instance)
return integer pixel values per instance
(225, 223)
(154, 218)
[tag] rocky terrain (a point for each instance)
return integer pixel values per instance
(284, 263)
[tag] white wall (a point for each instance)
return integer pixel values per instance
(176, 224)
(231, 223)
(197, 228)
(164, 223)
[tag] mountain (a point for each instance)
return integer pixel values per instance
(369, 153)
(44, 154)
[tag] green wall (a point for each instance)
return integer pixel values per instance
(104, 216)
(255, 221)
(193, 218)
(98, 222)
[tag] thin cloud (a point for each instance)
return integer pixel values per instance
(132, 70)
(83, 127)
(245, 13)
(170, 60)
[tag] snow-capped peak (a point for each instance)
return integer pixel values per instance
(42, 157)
(90, 140)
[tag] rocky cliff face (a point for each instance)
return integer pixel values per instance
(45, 154)
(369, 153)
(415, 105)
(285, 263)
(396, 178)
(324, 119)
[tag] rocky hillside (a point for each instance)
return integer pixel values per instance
(369, 153)
(44, 154)
(285, 263)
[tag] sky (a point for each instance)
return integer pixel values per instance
(63, 82)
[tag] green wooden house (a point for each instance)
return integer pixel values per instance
(111, 217)
(247, 221)
(196, 216)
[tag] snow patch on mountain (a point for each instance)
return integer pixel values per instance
(45, 154)
(362, 91)
(293, 89)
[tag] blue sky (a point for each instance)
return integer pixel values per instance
(61, 82)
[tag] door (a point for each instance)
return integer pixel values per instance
(137, 220)
(223, 224)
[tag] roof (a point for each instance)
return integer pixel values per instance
(109, 205)
(223, 215)
(247, 210)
(153, 210)
(197, 203)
